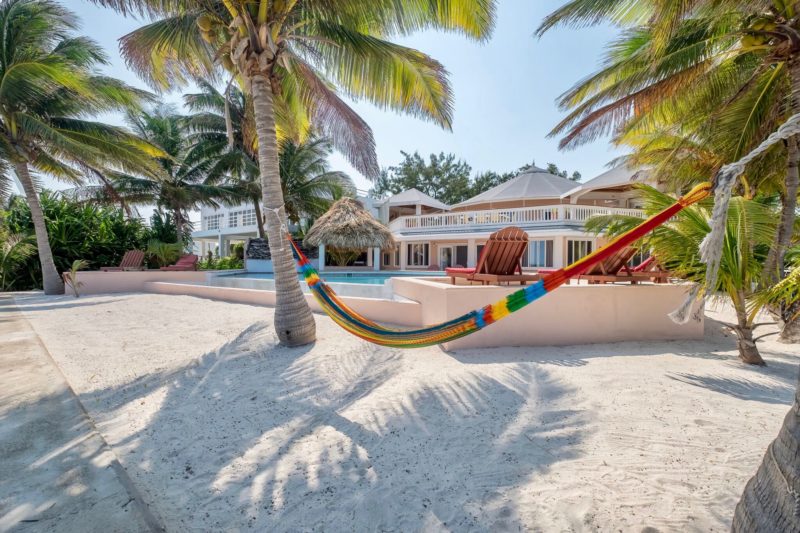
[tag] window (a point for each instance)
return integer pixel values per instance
(540, 254)
(577, 249)
(233, 219)
(214, 221)
(387, 259)
(418, 254)
(248, 217)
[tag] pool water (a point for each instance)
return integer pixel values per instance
(359, 278)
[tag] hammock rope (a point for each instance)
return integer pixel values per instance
(478, 319)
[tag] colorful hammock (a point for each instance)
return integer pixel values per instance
(489, 314)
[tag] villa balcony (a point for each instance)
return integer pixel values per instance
(541, 217)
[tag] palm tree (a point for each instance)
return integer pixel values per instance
(750, 229)
(223, 133)
(180, 182)
(309, 188)
(14, 249)
(723, 73)
(290, 56)
(48, 88)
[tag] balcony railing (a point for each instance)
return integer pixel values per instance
(521, 216)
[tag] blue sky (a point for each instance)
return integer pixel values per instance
(504, 91)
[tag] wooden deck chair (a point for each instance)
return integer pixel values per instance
(186, 262)
(132, 260)
(615, 269)
(500, 260)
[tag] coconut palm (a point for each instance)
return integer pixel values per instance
(290, 56)
(725, 74)
(750, 229)
(48, 90)
(14, 250)
(223, 133)
(309, 188)
(180, 182)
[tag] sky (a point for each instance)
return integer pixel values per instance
(504, 91)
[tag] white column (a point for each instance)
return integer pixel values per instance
(321, 257)
(403, 254)
(559, 252)
(221, 245)
(472, 253)
(376, 258)
(418, 209)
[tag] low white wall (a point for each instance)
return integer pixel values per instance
(390, 311)
(572, 314)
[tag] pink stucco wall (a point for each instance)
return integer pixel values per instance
(95, 282)
(573, 314)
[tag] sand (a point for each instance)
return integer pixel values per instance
(221, 429)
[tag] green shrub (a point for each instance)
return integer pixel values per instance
(163, 253)
(224, 263)
(100, 235)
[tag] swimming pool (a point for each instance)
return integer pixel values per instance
(362, 284)
(360, 278)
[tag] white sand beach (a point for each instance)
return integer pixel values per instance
(222, 430)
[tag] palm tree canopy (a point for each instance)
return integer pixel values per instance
(310, 49)
(49, 89)
(181, 182)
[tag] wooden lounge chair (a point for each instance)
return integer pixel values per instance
(615, 269)
(500, 260)
(186, 262)
(132, 260)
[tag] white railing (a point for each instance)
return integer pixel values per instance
(522, 216)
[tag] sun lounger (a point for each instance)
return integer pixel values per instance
(187, 262)
(500, 260)
(132, 260)
(615, 269)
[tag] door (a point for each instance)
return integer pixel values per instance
(445, 257)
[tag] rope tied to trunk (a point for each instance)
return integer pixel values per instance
(281, 223)
(711, 247)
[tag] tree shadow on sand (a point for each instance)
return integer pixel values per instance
(253, 434)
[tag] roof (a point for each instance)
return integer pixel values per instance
(616, 177)
(348, 225)
(413, 197)
(535, 183)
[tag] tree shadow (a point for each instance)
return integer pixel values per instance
(775, 388)
(56, 473)
(253, 434)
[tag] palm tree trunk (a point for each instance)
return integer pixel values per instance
(773, 267)
(259, 217)
(748, 351)
(178, 225)
(52, 282)
(771, 499)
(294, 323)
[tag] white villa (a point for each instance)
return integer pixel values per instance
(433, 235)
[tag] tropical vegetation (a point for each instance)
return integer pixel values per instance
(447, 178)
(99, 234)
(749, 231)
(49, 90)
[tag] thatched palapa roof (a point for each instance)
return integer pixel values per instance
(348, 225)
